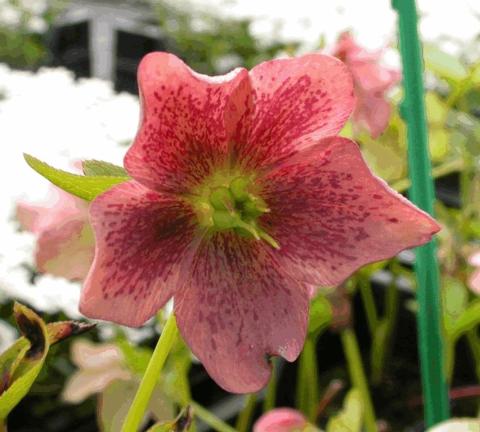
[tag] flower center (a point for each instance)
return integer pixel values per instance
(230, 202)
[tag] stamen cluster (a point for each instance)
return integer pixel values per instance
(233, 206)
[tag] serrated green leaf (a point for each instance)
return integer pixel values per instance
(100, 168)
(350, 418)
(443, 64)
(85, 187)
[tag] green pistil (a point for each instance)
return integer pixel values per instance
(232, 205)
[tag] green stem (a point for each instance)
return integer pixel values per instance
(474, 343)
(245, 416)
(210, 419)
(150, 379)
(357, 376)
(311, 370)
(369, 305)
(271, 393)
(300, 396)
(449, 344)
(382, 343)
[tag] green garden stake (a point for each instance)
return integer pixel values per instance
(422, 194)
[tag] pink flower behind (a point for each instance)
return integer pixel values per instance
(281, 420)
(65, 245)
(371, 81)
(242, 197)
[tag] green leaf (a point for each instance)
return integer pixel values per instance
(100, 168)
(136, 358)
(444, 65)
(116, 399)
(455, 298)
(320, 315)
(468, 320)
(85, 187)
(22, 362)
(350, 418)
(180, 424)
(35, 333)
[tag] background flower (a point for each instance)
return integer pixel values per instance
(372, 81)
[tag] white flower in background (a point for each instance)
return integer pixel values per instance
(58, 119)
(457, 425)
(7, 335)
(34, 7)
(37, 24)
(10, 16)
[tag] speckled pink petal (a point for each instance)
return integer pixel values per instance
(187, 122)
(331, 215)
(280, 420)
(238, 307)
(142, 238)
(66, 249)
(297, 102)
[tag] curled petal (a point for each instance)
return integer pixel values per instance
(331, 215)
(296, 102)
(280, 420)
(186, 124)
(239, 307)
(142, 240)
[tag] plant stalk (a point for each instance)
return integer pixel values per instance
(150, 378)
(357, 376)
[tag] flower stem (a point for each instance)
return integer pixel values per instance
(150, 378)
(210, 419)
(271, 393)
(369, 305)
(245, 416)
(357, 376)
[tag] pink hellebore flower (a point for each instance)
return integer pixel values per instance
(474, 280)
(281, 420)
(371, 81)
(65, 244)
(242, 197)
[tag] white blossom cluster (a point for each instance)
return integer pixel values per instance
(60, 120)
(26, 15)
